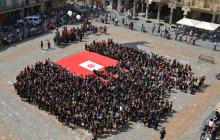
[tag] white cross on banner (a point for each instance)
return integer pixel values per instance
(89, 65)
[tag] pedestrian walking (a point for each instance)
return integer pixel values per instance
(162, 134)
(214, 46)
(42, 44)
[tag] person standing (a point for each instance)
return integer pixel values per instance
(105, 29)
(42, 44)
(176, 34)
(214, 46)
(156, 124)
(213, 133)
(48, 45)
(162, 134)
(123, 21)
(153, 28)
(158, 29)
(80, 36)
(142, 28)
(131, 26)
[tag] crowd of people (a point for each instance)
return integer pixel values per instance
(171, 74)
(134, 90)
(67, 36)
(190, 35)
(77, 33)
(107, 18)
(181, 33)
(211, 127)
(23, 28)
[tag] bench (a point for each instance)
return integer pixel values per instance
(206, 58)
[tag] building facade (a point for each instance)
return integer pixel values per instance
(173, 10)
(12, 10)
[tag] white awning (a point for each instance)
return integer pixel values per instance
(207, 26)
(188, 22)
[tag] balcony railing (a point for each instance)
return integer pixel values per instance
(160, 1)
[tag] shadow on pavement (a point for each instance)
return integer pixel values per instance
(136, 44)
(168, 116)
(125, 128)
(203, 88)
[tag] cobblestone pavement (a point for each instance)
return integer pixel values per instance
(22, 121)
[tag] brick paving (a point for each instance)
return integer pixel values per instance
(20, 120)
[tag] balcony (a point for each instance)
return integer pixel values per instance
(160, 1)
(167, 1)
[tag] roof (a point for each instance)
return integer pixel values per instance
(188, 22)
(207, 26)
(199, 24)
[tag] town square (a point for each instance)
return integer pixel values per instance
(87, 70)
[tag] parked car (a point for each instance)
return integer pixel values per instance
(33, 19)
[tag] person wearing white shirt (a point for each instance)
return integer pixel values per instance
(214, 46)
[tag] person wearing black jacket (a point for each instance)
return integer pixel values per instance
(162, 134)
